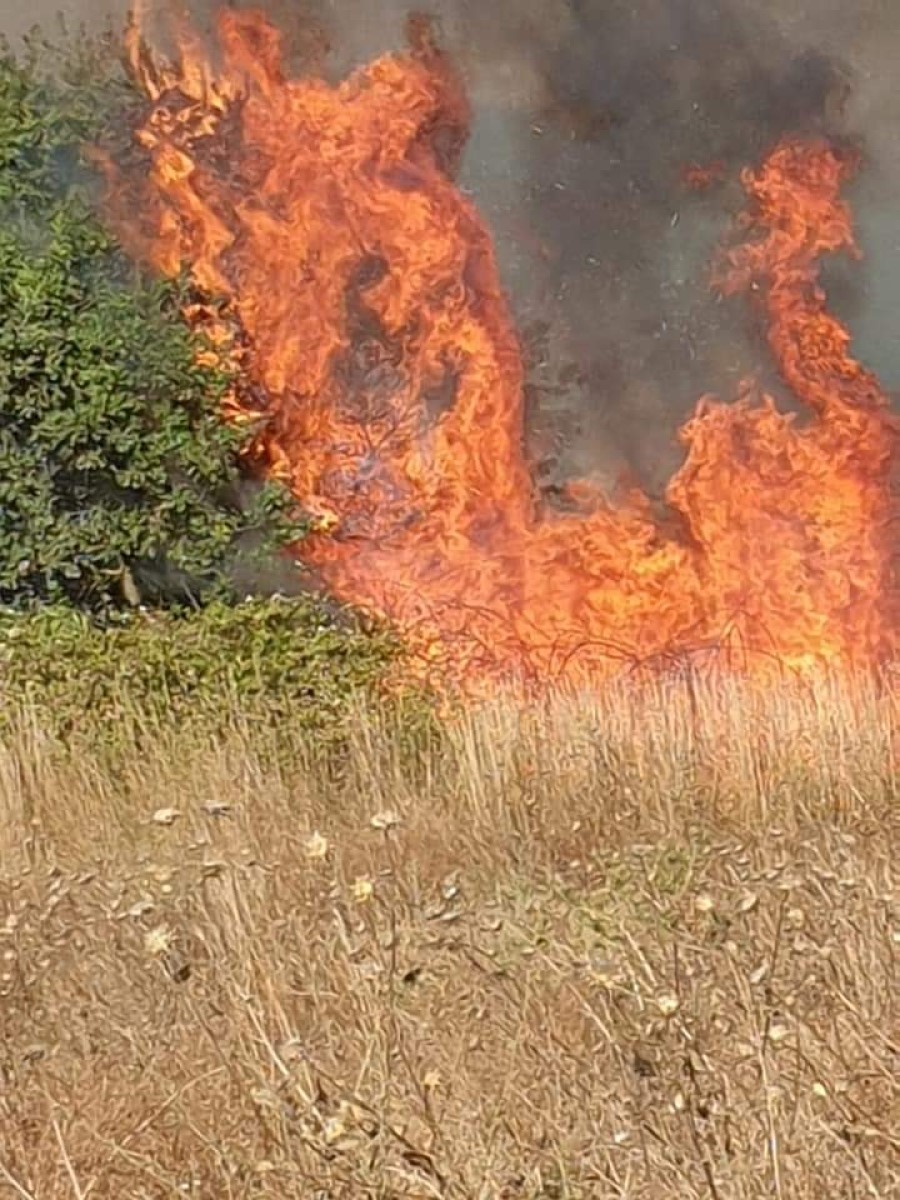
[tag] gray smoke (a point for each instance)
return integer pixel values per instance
(586, 112)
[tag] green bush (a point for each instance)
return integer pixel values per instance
(294, 661)
(122, 506)
(118, 480)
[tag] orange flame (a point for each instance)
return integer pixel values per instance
(373, 326)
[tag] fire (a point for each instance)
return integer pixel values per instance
(361, 291)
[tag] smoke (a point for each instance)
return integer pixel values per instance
(18, 19)
(586, 113)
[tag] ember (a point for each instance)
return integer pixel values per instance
(701, 179)
(363, 285)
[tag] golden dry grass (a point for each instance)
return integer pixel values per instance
(641, 946)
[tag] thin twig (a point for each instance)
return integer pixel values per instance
(67, 1162)
(15, 1185)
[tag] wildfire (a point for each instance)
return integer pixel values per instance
(385, 367)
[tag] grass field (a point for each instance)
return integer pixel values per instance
(641, 946)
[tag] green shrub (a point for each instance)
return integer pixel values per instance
(118, 480)
(294, 661)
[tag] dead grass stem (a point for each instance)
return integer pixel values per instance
(638, 945)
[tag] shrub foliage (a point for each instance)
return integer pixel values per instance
(117, 478)
(295, 662)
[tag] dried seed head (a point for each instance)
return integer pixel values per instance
(157, 941)
(748, 902)
(667, 1004)
(334, 1129)
(316, 846)
(291, 1050)
(385, 820)
(165, 816)
(363, 890)
(218, 808)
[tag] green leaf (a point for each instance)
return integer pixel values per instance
(112, 454)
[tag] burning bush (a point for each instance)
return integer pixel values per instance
(117, 479)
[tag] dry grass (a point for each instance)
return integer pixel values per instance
(644, 946)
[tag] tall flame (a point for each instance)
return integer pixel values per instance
(387, 376)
